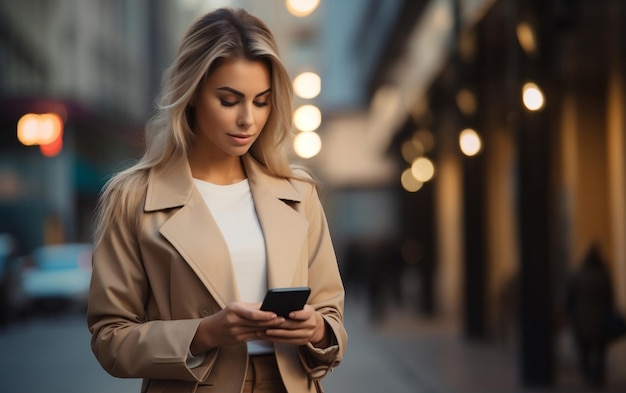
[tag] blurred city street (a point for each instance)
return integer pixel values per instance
(408, 354)
(52, 353)
(402, 354)
(470, 157)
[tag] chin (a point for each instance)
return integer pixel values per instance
(239, 152)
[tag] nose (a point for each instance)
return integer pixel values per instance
(245, 118)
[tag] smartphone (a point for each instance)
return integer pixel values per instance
(282, 301)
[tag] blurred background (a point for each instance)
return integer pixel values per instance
(471, 157)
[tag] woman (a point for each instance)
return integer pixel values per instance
(189, 239)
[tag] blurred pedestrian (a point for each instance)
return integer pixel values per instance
(352, 271)
(383, 264)
(375, 264)
(189, 239)
(590, 307)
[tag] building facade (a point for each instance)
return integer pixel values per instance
(95, 65)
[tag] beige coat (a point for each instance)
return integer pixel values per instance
(150, 287)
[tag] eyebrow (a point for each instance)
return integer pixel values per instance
(240, 94)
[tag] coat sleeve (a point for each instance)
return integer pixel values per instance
(327, 291)
(123, 341)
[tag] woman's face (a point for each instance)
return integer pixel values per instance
(232, 108)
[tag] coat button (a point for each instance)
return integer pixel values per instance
(205, 311)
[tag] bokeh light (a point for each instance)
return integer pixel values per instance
(423, 169)
(425, 138)
(466, 101)
(409, 182)
(532, 97)
(411, 149)
(307, 85)
(34, 129)
(307, 144)
(470, 142)
(307, 118)
(301, 8)
(526, 37)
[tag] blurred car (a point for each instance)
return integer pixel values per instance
(58, 273)
(12, 299)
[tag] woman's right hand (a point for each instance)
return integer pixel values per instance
(237, 322)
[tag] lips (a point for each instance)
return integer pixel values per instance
(241, 139)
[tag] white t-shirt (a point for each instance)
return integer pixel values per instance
(233, 209)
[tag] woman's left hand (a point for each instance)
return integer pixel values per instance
(302, 327)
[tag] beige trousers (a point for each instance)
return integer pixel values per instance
(263, 375)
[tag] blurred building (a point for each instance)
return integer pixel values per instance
(538, 88)
(97, 65)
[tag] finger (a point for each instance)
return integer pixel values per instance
(257, 315)
(302, 315)
(258, 323)
(288, 337)
(287, 333)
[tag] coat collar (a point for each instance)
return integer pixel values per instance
(171, 185)
(197, 238)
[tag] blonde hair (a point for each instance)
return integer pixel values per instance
(221, 34)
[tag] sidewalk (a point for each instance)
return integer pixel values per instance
(407, 354)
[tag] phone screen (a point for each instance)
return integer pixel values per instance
(282, 301)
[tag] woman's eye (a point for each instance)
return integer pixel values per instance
(261, 104)
(228, 103)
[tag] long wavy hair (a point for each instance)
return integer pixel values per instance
(221, 34)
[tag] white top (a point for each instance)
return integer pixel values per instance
(233, 209)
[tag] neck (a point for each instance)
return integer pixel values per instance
(222, 172)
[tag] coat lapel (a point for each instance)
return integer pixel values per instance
(285, 230)
(192, 230)
(196, 236)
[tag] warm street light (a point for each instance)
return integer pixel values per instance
(307, 144)
(34, 129)
(45, 130)
(466, 101)
(532, 96)
(307, 85)
(302, 8)
(307, 118)
(409, 182)
(423, 169)
(470, 142)
(53, 148)
(526, 37)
